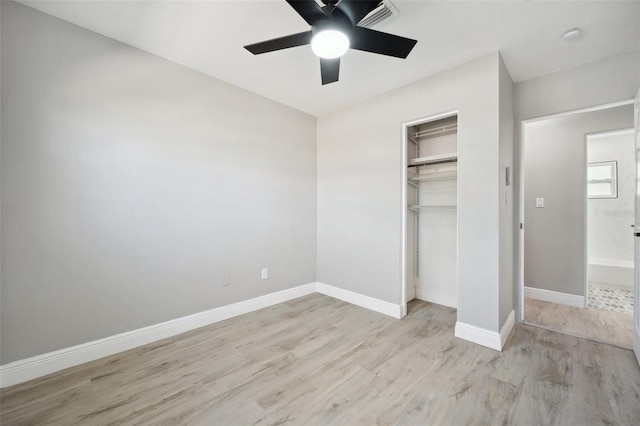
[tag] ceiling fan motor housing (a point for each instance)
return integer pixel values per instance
(341, 16)
(337, 21)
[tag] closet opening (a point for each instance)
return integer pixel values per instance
(430, 182)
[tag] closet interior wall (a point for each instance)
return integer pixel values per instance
(432, 203)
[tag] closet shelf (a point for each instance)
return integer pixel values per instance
(427, 177)
(416, 207)
(433, 159)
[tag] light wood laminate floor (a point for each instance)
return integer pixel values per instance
(317, 360)
(615, 328)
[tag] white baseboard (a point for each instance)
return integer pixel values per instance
(358, 299)
(438, 298)
(478, 335)
(507, 327)
(482, 336)
(41, 365)
(555, 297)
(636, 343)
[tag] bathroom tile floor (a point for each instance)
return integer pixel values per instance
(610, 298)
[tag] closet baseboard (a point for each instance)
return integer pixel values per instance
(381, 306)
(555, 297)
(437, 298)
(482, 336)
(478, 335)
(507, 328)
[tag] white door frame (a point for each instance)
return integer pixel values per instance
(403, 203)
(636, 248)
(521, 173)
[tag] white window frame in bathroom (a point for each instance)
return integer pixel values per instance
(612, 180)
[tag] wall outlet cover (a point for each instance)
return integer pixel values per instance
(226, 280)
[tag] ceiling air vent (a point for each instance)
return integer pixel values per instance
(384, 11)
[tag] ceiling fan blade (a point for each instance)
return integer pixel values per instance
(330, 70)
(382, 43)
(357, 9)
(280, 43)
(308, 9)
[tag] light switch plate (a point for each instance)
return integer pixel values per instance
(539, 203)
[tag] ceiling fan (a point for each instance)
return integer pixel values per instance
(334, 30)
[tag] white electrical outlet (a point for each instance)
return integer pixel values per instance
(226, 280)
(265, 273)
(539, 203)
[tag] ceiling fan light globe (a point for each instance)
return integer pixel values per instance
(330, 44)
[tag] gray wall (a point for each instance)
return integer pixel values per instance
(131, 184)
(597, 83)
(610, 80)
(359, 188)
(555, 168)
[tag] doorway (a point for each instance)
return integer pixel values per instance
(555, 211)
(610, 217)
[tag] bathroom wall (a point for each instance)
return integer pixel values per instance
(609, 220)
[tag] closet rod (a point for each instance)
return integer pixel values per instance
(449, 160)
(436, 131)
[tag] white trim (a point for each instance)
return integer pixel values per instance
(506, 329)
(41, 365)
(610, 262)
(519, 290)
(636, 242)
(585, 212)
(478, 335)
(438, 298)
(484, 337)
(358, 299)
(609, 133)
(555, 297)
(579, 111)
(51, 362)
(636, 343)
(404, 297)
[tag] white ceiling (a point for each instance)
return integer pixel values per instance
(208, 36)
